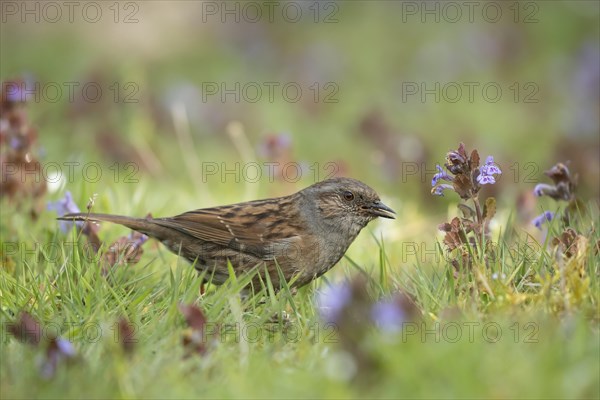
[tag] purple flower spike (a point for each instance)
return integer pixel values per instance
(546, 216)
(487, 172)
(64, 206)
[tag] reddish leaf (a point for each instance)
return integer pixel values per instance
(462, 186)
(408, 305)
(452, 240)
(194, 316)
(26, 329)
(568, 242)
(445, 227)
(559, 173)
(194, 342)
(126, 334)
(461, 150)
(474, 159)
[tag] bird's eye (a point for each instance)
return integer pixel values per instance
(349, 196)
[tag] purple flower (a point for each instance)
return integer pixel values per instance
(14, 92)
(15, 143)
(58, 351)
(440, 175)
(455, 158)
(487, 172)
(439, 189)
(65, 347)
(546, 216)
(486, 179)
(137, 239)
(20, 90)
(489, 168)
(332, 300)
(542, 188)
(388, 315)
(64, 206)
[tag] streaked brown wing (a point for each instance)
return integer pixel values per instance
(258, 227)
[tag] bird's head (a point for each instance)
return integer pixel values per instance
(346, 199)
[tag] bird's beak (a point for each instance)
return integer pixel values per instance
(381, 210)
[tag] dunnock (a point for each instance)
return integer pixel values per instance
(305, 233)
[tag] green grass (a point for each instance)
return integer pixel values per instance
(528, 338)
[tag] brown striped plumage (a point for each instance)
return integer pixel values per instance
(305, 233)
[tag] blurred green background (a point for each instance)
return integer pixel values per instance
(357, 64)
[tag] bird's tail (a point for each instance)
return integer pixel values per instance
(137, 224)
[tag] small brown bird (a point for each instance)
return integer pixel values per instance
(305, 233)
